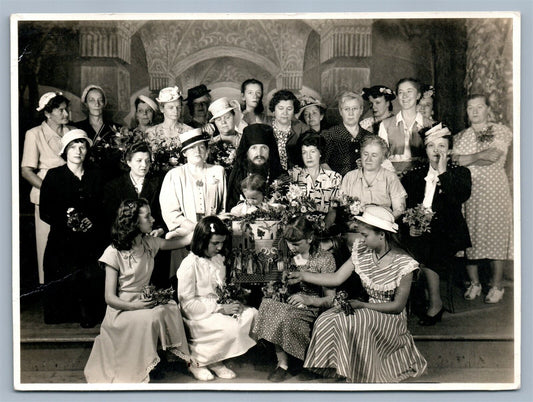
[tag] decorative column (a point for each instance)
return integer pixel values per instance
(290, 80)
(351, 40)
(489, 64)
(338, 79)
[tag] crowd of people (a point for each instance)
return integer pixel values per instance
(147, 202)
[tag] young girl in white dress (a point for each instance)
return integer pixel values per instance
(126, 349)
(216, 331)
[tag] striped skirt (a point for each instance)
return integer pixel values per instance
(367, 346)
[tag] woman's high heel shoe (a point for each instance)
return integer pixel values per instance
(431, 320)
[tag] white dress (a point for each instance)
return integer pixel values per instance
(213, 337)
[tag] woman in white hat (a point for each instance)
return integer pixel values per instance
(312, 112)
(372, 344)
(70, 204)
(41, 153)
(145, 112)
(193, 190)
(227, 117)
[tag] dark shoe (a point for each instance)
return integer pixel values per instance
(278, 375)
(428, 320)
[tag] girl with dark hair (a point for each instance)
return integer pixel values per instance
(252, 101)
(401, 131)
(372, 343)
(285, 105)
(126, 349)
(41, 153)
(214, 334)
(288, 325)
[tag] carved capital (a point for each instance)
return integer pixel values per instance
(104, 40)
(289, 80)
(346, 41)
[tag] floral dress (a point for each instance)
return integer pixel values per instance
(290, 326)
(368, 346)
(489, 210)
(166, 146)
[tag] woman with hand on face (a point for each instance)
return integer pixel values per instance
(145, 112)
(372, 183)
(381, 98)
(482, 148)
(343, 141)
(253, 110)
(372, 344)
(164, 138)
(227, 118)
(443, 187)
(70, 200)
(312, 113)
(288, 325)
(401, 131)
(193, 190)
(41, 153)
(287, 130)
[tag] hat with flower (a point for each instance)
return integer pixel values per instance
(308, 100)
(379, 217)
(47, 97)
(377, 91)
(169, 94)
(428, 91)
(192, 137)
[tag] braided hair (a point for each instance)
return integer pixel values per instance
(126, 226)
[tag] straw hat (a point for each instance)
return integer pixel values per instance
(72, 135)
(192, 137)
(169, 94)
(149, 102)
(47, 97)
(379, 217)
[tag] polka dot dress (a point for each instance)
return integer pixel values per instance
(489, 210)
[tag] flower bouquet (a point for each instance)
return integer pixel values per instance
(341, 300)
(75, 221)
(112, 145)
(166, 153)
(231, 292)
(223, 154)
(419, 218)
(160, 296)
(277, 290)
(486, 135)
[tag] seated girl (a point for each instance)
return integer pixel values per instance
(126, 349)
(372, 343)
(214, 334)
(288, 325)
(254, 188)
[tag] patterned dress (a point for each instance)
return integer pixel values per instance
(322, 190)
(126, 349)
(289, 326)
(368, 346)
(489, 210)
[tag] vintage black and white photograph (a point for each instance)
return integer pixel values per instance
(266, 201)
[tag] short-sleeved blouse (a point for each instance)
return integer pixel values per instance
(380, 282)
(381, 191)
(134, 266)
(322, 190)
(321, 262)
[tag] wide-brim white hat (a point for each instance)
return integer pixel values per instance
(222, 106)
(192, 137)
(72, 135)
(379, 217)
(149, 102)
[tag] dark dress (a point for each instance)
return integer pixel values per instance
(342, 149)
(75, 284)
(449, 232)
(121, 189)
(103, 155)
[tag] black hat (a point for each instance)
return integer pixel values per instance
(197, 92)
(258, 134)
(377, 91)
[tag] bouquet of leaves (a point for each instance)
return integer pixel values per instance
(486, 135)
(231, 292)
(160, 296)
(113, 144)
(419, 218)
(341, 299)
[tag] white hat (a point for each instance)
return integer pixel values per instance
(169, 94)
(435, 132)
(380, 217)
(149, 102)
(88, 88)
(72, 135)
(222, 106)
(192, 137)
(47, 97)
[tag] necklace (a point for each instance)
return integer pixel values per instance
(369, 184)
(380, 258)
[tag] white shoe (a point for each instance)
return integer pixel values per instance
(473, 291)
(222, 371)
(494, 295)
(201, 373)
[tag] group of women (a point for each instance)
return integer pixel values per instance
(389, 162)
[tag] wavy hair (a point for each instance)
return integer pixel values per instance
(284, 95)
(126, 226)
